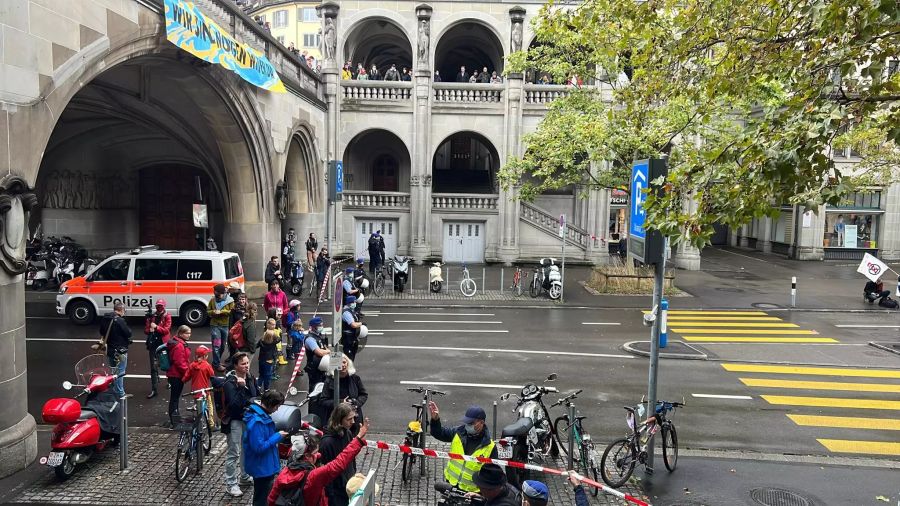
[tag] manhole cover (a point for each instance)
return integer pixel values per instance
(766, 305)
(778, 497)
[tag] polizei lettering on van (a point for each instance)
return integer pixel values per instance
(109, 300)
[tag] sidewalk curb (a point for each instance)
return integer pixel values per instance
(890, 349)
(680, 356)
(790, 458)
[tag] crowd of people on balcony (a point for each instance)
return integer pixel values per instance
(358, 72)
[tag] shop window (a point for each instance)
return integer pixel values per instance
(851, 230)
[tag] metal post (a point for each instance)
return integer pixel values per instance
(663, 336)
(494, 419)
(483, 282)
(793, 291)
(337, 358)
(328, 227)
(501, 280)
(654, 347)
(562, 270)
(571, 437)
(425, 417)
(123, 435)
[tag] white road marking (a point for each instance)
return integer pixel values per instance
(451, 384)
(440, 330)
(373, 313)
(46, 318)
(868, 326)
(61, 339)
(720, 396)
(448, 321)
(600, 323)
(486, 350)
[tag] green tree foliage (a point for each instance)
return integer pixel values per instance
(747, 99)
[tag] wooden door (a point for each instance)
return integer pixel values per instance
(166, 200)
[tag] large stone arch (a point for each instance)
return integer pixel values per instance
(490, 49)
(377, 159)
(465, 162)
(350, 130)
(304, 177)
(386, 41)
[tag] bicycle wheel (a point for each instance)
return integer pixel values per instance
(199, 456)
(670, 446)
(468, 287)
(535, 286)
(561, 433)
(205, 434)
(182, 458)
(590, 465)
(617, 463)
(379, 285)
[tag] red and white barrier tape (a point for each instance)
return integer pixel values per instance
(297, 365)
(307, 426)
(427, 452)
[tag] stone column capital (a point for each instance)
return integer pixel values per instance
(517, 14)
(328, 10)
(423, 12)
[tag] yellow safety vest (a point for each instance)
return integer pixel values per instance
(459, 472)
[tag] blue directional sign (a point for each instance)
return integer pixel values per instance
(639, 178)
(339, 176)
(335, 180)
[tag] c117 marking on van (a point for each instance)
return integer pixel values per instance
(109, 300)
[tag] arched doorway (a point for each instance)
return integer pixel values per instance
(470, 44)
(379, 42)
(376, 160)
(305, 201)
(465, 162)
(122, 164)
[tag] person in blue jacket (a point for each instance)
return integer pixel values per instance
(261, 444)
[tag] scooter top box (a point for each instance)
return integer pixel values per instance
(61, 411)
(288, 418)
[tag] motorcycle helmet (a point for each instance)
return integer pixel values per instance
(325, 363)
(364, 283)
(363, 332)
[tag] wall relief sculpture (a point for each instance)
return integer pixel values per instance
(66, 189)
(17, 200)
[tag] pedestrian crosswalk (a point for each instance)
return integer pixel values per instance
(748, 327)
(834, 402)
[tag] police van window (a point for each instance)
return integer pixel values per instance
(233, 267)
(155, 269)
(193, 270)
(114, 270)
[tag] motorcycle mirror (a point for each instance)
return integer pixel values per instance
(552, 377)
(67, 385)
(317, 389)
(292, 391)
(504, 397)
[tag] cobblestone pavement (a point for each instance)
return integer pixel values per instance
(151, 478)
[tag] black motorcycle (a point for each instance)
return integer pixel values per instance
(532, 437)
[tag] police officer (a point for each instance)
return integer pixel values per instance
(316, 348)
(350, 290)
(350, 325)
(470, 438)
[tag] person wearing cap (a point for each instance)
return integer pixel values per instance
(219, 309)
(469, 438)
(292, 316)
(350, 290)
(375, 260)
(350, 325)
(535, 493)
(492, 484)
(157, 328)
(316, 348)
(200, 374)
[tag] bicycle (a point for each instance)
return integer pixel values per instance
(194, 438)
(379, 281)
(584, 452)
(467, 286)
(415, 432)
(626, 452)
(517, 282)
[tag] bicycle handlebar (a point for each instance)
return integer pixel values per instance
(567, 398)
(207, 389)
(422, 390)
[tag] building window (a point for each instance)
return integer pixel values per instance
(280, 39)
(310, 40)
(851, 230)
(309, 15)
(861, 200)
(281, 19)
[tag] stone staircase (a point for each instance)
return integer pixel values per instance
(549, 224)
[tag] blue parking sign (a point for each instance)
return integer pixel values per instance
(339, 179)
(639, 182)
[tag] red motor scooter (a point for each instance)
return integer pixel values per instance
(81, 430)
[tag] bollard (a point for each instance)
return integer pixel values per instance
(494, 418)
(424, 423)
(571, 436)
(664, 314)
(501, 280)
(483, 284)
(793, 291)
(123, 435)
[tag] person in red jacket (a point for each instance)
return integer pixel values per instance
(303, 461)
(179, 363)
(199, 374)
(157, 329)
(277, 300)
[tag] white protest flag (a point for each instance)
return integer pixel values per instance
(871, 267)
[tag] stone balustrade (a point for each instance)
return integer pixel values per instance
(550, 223)
(545, 93)
(464, 202)
(467, 93)
(388, 91)
(381, 200)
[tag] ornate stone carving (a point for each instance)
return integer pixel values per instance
(426, 180)
(517, 16)
(414, 181)
(281, 199)
(424, 41)
(330, 38)
(66, 189)
(17, 200)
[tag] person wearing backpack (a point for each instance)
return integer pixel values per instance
(157, 329)
(219, 309)
(301, 482)
(260, 444)
(239, 388)
(179, 363)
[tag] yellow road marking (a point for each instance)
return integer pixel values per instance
(821, 385)
(831, 402)
(739, 324)
(731, 313)
(725, 318)
(846, 422)
(741, 339)
(813, 371)
(868, 447)
(747, 331)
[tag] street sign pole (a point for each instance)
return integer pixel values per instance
(335, 193)
(654, 350)
(562, 271)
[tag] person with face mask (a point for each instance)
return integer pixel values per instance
(470, 438)
(350, 325)
(301, 470)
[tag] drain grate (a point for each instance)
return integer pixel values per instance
(778, 497)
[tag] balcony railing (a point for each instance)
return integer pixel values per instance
(550, 224)
(464, 202)
(545, 93)
(467, 93)
(385, 91)
(380, 200)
